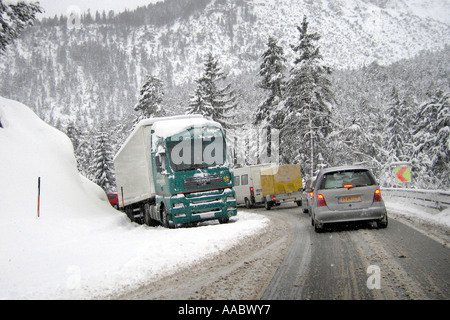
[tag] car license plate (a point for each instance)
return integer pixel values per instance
(350, 199)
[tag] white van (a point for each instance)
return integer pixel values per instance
(247, 184)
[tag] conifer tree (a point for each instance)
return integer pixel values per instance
(211, 99)
(432, 143)
(103, 167)
(398, 136)
(272, 73)
(14, 17)
(198, 104)
(150, 99)
(306, 110)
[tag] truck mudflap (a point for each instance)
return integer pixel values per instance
(204, 205)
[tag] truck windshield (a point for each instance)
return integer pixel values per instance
(192, 150)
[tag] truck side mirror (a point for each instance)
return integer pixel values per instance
(158, 163)
(159, 160)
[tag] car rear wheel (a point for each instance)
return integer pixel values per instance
(382, 223)
(317, 227)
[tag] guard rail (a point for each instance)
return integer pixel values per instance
(434, 199)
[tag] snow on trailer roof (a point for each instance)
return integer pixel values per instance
(168, 126)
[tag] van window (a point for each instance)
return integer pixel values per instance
(237, 181)
(244, 179)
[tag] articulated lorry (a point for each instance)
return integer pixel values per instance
(174, 170)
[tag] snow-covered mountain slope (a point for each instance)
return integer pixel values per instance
(95, 72)
(354, 33)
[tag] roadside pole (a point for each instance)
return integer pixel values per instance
(39, 198)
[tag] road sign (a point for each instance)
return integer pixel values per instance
(403, 173)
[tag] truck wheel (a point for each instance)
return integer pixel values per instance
(224, 220)
(164, 218)
(129, 213)
(147, 216)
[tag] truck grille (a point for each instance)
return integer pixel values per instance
(202, 182)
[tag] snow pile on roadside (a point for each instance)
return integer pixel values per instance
(412, 211)
(80, 247)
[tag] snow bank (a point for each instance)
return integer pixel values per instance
(419, 213)
(80, 247)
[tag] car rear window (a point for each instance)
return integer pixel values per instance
(338, 179)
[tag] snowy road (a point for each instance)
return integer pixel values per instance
(334, 264)
(291, 261)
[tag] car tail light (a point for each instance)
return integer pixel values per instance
(348, 186)
(274, 198)
(311, 194)
(252, 191)
(321, 200)
(377, 195)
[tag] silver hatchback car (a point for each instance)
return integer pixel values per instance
(344, 194)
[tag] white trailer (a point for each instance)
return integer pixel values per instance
(247, 184)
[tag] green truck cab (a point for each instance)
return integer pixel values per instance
(174, 171)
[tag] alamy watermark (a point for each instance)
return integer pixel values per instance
(374, 279)
(243, 147)
(73, 17)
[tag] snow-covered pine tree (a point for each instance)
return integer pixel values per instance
(150, 99)
(431, 158)
(272, 72)
(198, 104)
(73, 133)
(102, 166)
(397, 131)
(14, 17)
(84, 154)
(306, 109)
(216, 102)
(81, 147)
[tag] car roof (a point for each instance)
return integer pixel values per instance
(343, 168)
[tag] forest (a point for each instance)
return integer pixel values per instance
(90, 84)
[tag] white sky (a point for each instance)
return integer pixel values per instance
(59, 7)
